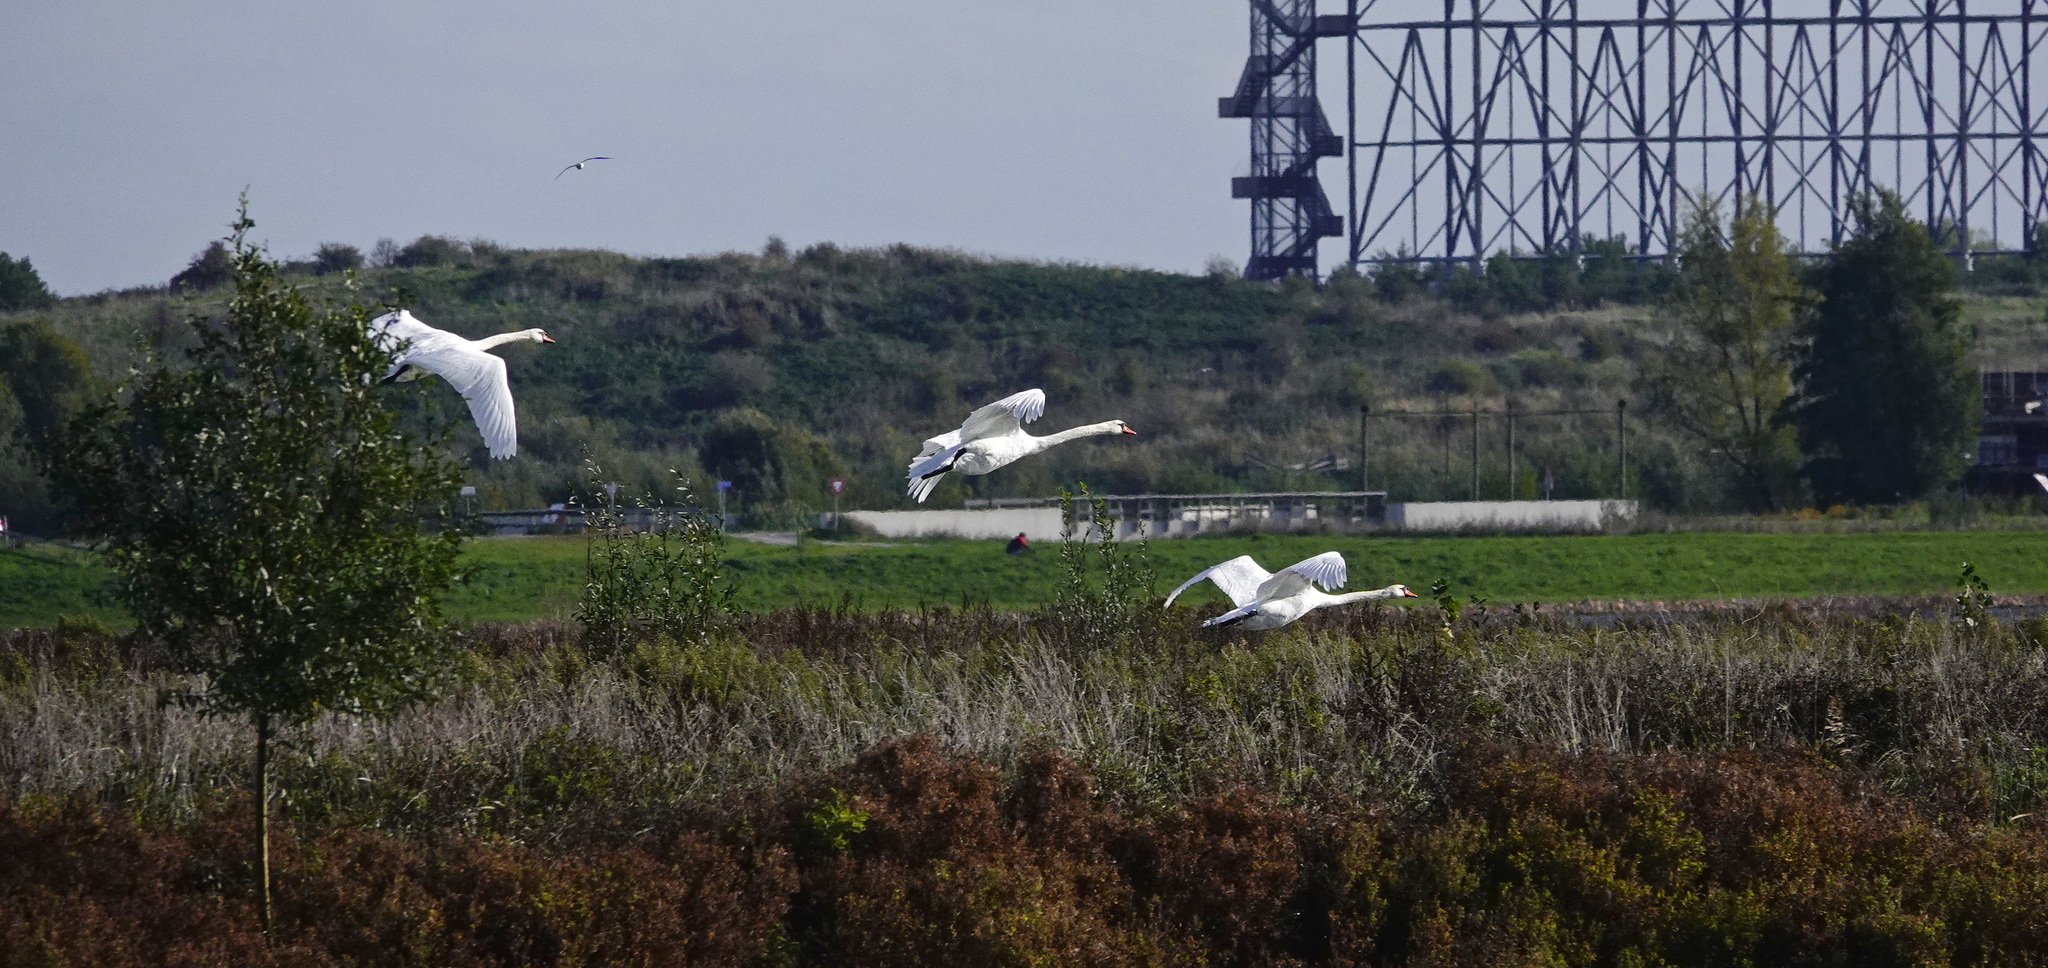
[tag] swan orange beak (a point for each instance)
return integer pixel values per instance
(1409, 593)
(545, 338)
(1128, 430)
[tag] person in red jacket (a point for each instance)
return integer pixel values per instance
(1018, 545)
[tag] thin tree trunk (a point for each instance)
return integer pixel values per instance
(263, 813)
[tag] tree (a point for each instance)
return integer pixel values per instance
(333, 257)
(769, 461)
(210, 269)
(51, 376)
(1886, 400)
(263, 514)
(1728, 370)
(21, 287)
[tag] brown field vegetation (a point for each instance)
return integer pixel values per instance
(1755, 784)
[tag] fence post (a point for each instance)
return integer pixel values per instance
(1364, 479)
(1475, 452)
(1621, 449)
(1514, 469)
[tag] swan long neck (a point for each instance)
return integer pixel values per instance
(503, 338)
(1375, 595)
(1076, 433)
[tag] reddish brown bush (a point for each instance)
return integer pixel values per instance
(85, 887)
(910, 856)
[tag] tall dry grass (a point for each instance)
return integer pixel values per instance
(537, 737)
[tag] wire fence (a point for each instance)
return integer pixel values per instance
(1507, 453)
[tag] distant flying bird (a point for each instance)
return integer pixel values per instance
(1267, 600)
(417, 348)
(992, 437)
(579, 165)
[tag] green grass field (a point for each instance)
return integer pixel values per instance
(524, 578)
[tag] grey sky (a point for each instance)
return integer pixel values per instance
(1078, 130)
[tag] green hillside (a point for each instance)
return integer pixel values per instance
(781, 369)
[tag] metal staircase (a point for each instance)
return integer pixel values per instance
(1289, 134)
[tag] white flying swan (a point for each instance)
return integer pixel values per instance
(993, 437)
(417, 349)
(1267, 601)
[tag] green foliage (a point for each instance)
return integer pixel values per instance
(770, 462)
(264, 514)
(1595, 272)
(1450, 605)
(1461, 377)
(1728, 372)
(1973, 596)
(45, 380)
(21, 287)
(658, 575)
(833, 822)
(49, 374)
(432, 250)
(1887, 400)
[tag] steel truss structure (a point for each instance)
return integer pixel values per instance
(1532, 125)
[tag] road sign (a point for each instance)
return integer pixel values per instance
(724, 486)
(837, 484)
(469, 490)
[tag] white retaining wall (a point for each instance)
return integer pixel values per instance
(1043, 524)
(1509, 515)
(1036, 524)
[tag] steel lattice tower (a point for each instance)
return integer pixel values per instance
(1532, 125)
(1289, 134)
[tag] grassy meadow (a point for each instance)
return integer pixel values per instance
(518, 579)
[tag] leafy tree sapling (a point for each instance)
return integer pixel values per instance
(267, 518)
(1728, 370)
(662, 579)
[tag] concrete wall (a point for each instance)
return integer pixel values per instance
(1037, 524)
(1509, 515)
(1043, 524)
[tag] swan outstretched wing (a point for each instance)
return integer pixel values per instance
(480, 378)
(1240, 578)
(477, 375)
(1326, 569)
(1005, 416)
